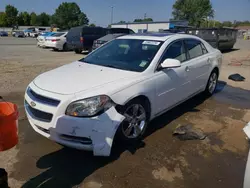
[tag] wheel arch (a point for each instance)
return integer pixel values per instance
(141, 97)
(217, 70)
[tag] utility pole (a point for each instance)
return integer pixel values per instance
(112, 12)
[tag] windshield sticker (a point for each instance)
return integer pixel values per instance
(151, 43)
(143, 63)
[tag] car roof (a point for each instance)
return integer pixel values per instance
(149, 36)
(155, 36)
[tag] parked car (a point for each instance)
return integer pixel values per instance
(113, 33)
(41, 39)
(13, 33)
(34, 34)
(19, 34)
(3, 34)
(57, 41)
(82, 38)
(28, 31)
(118, 88)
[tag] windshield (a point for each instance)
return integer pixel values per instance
(126, 54)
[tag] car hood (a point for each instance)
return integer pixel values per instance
(78, 76)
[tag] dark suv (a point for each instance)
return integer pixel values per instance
(82, 37)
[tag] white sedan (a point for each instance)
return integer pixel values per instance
(57, 41)
(118, 88)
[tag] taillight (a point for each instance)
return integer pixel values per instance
(81, 39)
(54, 40)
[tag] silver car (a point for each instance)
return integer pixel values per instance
(19, 34)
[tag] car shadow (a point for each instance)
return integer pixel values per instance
(229, 50)
(69, 167)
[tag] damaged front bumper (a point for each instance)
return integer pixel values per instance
(95, 134)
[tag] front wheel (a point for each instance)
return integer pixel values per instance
(135, 123)
(78, 51)
(212, 83)
(65, 47)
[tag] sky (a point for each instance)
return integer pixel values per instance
(99, 11)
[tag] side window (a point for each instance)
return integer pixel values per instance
(204, 49)
(194, 48)
(176, 50)
(131, 31)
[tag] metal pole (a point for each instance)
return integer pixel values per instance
(112, 11)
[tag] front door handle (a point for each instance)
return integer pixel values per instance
(187, 69)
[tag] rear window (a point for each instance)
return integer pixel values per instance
(93, 31)
(75, 31)
(58, 34)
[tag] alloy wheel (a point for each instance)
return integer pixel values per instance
(135, 121)
(212, 83)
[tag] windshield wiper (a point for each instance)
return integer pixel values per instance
(111, 66)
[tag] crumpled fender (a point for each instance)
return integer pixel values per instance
(104, 131)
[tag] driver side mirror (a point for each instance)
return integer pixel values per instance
(170, 63)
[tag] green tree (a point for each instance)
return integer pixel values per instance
(210, 23)
(92, 25)
(121, 22)
(11, 15)
(241, 23)
(148, 20)
(43, 19)
(3, 20)
(26, 18)
(138, 20)
(144, 20)
(227, 24)
(33, 19)
(194, 11)
(69, 15)
(82, 19)
(20, 19)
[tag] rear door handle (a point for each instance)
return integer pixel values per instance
(187, 69)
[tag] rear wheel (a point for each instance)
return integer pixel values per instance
(78, 51)
(135, 123)
(212, 83)
(65, 47)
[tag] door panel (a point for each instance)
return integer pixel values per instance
(199, 64)
(171, 87)
(173, 84)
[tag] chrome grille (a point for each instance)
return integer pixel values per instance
(41, 99)
(37, 114)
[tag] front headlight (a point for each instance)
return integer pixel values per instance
(89, 107)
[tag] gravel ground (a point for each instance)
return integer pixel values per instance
(160, 160)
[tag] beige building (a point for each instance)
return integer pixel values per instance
(142, 27)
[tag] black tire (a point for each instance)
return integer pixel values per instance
(55, 49)
(65, 47)
(124, 125)
(90, 50)
(212, 78)
(78, 51)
